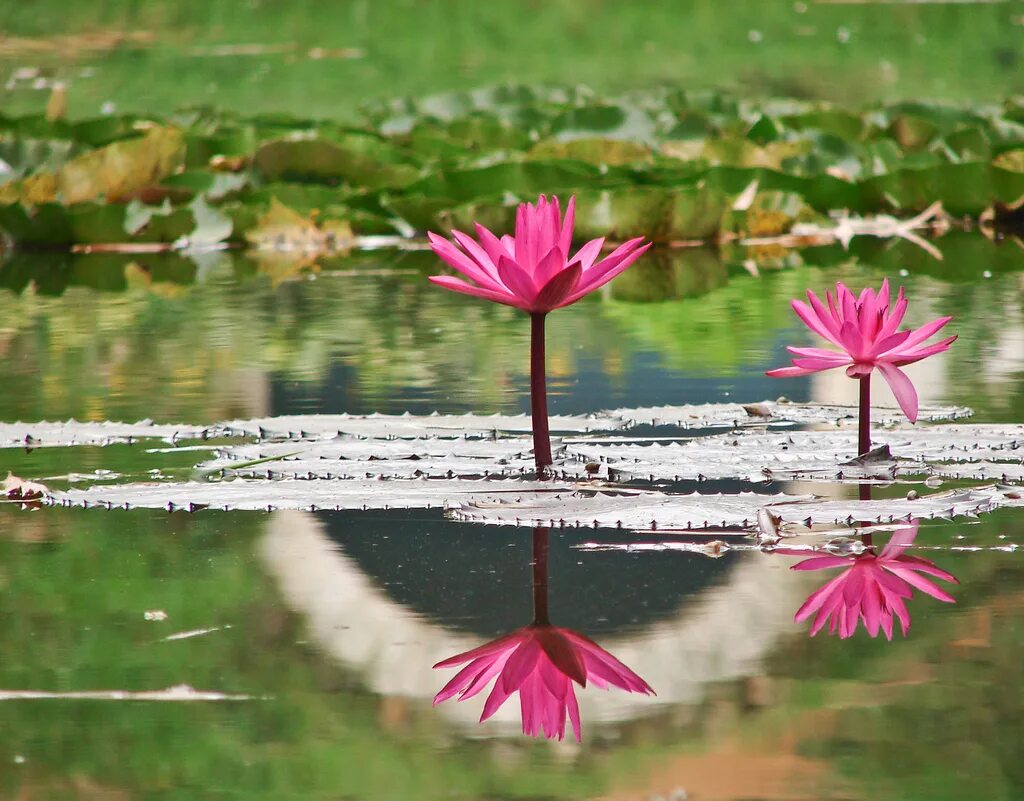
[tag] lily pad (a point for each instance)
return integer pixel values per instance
(658, 511)
(266, 496)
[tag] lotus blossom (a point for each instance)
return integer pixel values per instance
(873, 588)
(864, 329)
(533, 270)
(540, 662)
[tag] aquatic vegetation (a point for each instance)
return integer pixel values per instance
(872, 589)
(864, 328)
(533, 271)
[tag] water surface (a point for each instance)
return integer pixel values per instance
(330, 622)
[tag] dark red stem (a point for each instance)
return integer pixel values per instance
(540, 576)
(539, 395)
(864, 429)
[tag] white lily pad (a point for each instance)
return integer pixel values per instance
(242, 494)
(407, 426)
(965, 451)
(48, 434)
(772, 413)
(357, 449)
(658, 511)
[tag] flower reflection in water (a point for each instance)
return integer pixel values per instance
(872, 589)
(540, 662)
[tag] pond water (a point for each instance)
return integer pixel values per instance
(316, 632)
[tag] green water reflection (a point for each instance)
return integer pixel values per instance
(173, 339)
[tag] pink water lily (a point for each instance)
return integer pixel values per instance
(872, 589)
(864, 329)
(540, 662)
(534, 270)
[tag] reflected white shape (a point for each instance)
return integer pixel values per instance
(723, 634)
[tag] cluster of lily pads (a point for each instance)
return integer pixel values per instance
(609, 469)
(667, 164)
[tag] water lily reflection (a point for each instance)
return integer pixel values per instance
(873, 588)
(540, 662)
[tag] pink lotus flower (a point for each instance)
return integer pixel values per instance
(533, 270)
(864, 329)
(540, 662)
(871, 589)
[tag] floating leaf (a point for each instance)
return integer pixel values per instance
(62, 434)
(658, 511)
(114, 172)
(717, 415)
(362, 159)
(592, 150)
(243, 495)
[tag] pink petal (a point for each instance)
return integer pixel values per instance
(919, 582)
(477, 253)
(822, 563)
(492, 246)
(483, 678)
(872, 608)
(851, 340)
(463, 679)
(816, 365)
(554, 293)
(919, 335)
(505, 643)
(902, 356)
(549, 229)
(548, 267)
(609, 267)
(568, 224)
(868, 315)
(790, 372)
(518, 281)
(926, 566)
(560, 651)
(494, 701)
(883, 295)
(458, 285)
(588, 253)
(820, 353)
(889, 343)
(887, 624)
(819, 598)
(848, 304)
(902, 387)
(856, 580)
(901, 539)
(520, 665)
(828, 319)
(812, 320)
(572, 707)
(460, 261)
(892, 322)
(509, 243)
(606, 667)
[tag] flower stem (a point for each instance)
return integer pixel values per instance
(864, 430)
(538, 395)
(540, 576)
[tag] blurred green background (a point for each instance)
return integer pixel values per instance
(323, 59)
